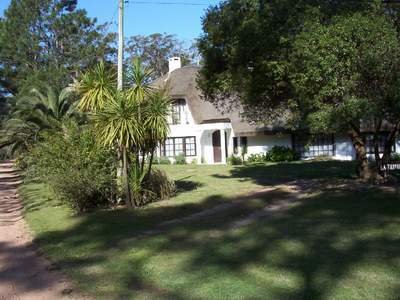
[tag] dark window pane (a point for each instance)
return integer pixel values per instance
(312, 146)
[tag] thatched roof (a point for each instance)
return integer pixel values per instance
(181, 83)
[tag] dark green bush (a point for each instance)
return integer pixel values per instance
(281, 153)
(395, 157)
(234, 160)
(147, 188)
(81, 172)
(180, 159)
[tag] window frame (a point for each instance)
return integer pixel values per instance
(370, 148)
(323, 145)
(178, 111)
(185, 142)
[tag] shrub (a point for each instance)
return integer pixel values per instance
(80, 172)
(154, 187)
(180, 159)
(395, 157)
(194, 161)
(281, 153)
(163, 161)
(256, 158)
(234, 160)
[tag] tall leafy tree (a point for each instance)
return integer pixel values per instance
(48, 41)
(346, 76)
(248, 49)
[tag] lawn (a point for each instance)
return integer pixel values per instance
(338, 242)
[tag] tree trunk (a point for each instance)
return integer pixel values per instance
(142, 162)
(389, 143)
(150, 161)
(126, 178)
(363, 168)
(378, 160)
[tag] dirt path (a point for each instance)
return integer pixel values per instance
(24, 274)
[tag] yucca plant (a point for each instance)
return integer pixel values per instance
(117, 124)
(134, 119)
(96, 87)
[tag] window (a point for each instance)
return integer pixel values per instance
(243, 142)
(178, 113)
(382, 138)
(179, 145)
(235, 145)
(308, 146)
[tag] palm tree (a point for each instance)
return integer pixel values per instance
(156, 128)
(45, 110)
(117, 123)
(135, 119)
(96, 87)
(34, 113)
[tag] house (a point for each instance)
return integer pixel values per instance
(206, 135)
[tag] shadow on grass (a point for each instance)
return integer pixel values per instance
(265, 174)
(339, 243)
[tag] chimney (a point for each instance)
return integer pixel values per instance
(174, 63)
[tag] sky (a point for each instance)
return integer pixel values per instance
(182, 20)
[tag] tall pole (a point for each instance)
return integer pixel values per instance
(120, 43)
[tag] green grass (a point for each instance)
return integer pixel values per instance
(337, 244)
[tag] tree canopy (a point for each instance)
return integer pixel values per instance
(247, 44)
(155, 49)
(48, 41)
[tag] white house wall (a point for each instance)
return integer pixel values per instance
(264, 143)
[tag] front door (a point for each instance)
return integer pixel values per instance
(216, 142)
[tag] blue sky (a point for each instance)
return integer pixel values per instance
(182, 20)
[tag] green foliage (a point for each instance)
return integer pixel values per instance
(154, 51)
(395, 157)
(34, 113)
(163, 160)
(257, 158)
(180, 159)
(81, 172)
(48, 41)
(96, 87)
(280, 154)
(246, 48)
(276, 154)
(133, 119)
(159, 184)
(234, 160)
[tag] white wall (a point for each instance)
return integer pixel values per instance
(344, 148)
(264, 143)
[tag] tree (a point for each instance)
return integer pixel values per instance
(345, 74)
(34, 113)
(134, 119)
(154, 51)
(248, 46)
(48, 41)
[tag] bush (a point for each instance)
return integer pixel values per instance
(234, 160)
(281, 153)
(180, 159)
(395, 157)
(147, 188)
(257, 158)
(163, 161)
(80, 172)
